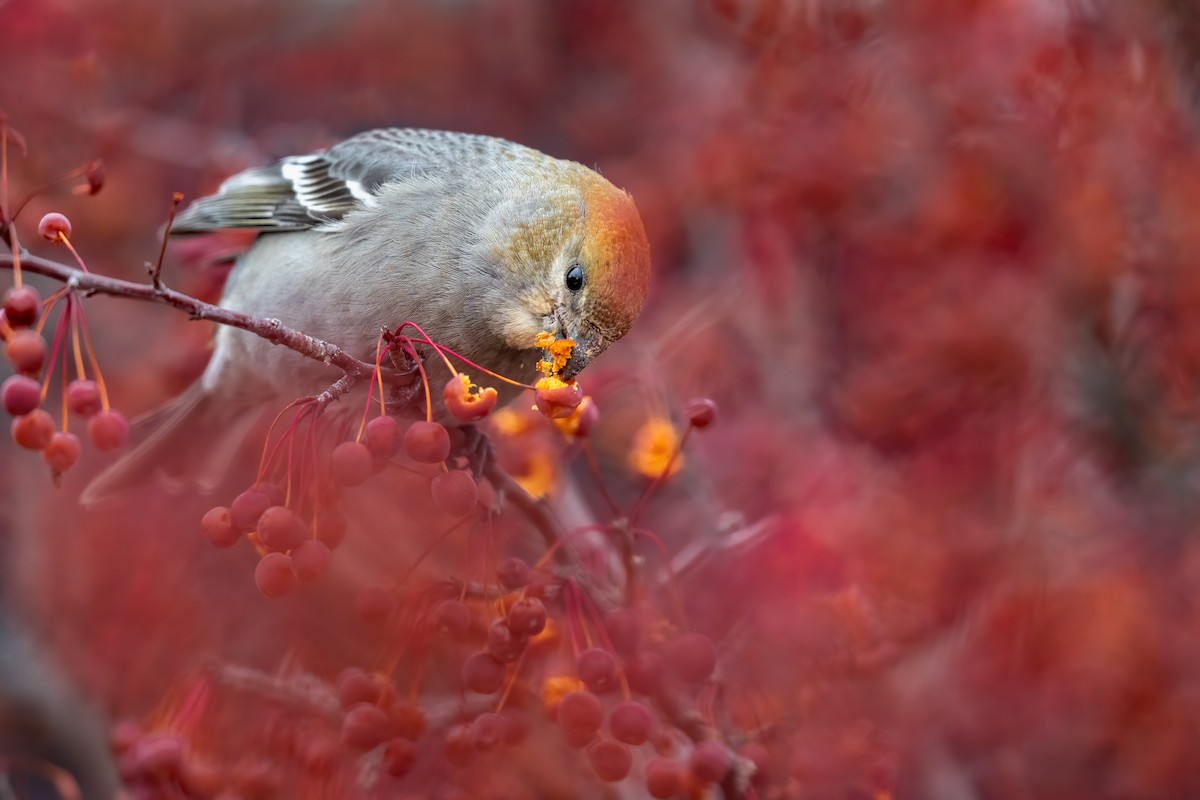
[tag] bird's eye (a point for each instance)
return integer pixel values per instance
(575, 278)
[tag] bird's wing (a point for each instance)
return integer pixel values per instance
(302, 192)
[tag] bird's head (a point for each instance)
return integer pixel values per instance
(578, 263)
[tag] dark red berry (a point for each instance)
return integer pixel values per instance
(452, 617)
(455, 492)
(482, 673)
(427, 442)
(34, 430)
(664, 778)
(83, 397)
(26, 349)
(351, 463)
(157, 754)
(108, 430)
(710, 761)
(631, 722)
(22, 306)
(502, 642)
(20, 394)
(580, 712)
(310, 560)
(610, 760)
(691, 657)
(513, 573)
(398, 757)
(274, 492)
(487, 731)
(700, 412)
(247, 507)
(374, 605)
(365, 726)
(274, 576)
(527, 617)
(382, 437)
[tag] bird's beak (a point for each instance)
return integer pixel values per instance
(588, 345)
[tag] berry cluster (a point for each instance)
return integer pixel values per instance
(24, 393)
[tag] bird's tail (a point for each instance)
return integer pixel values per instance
(188, 442)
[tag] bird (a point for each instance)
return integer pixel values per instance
(483, 242)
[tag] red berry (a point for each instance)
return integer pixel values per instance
(382, 437)
(691, 657)
(22, 306)
(452, 617)
(54, 225)
(502, 643)
(710, 761)
(644, 671)
(281, 528)
(247, 508)
(624, 628)
(20, 394)
(398, 757)
(62, 452)
(700, 412)
(631, 722)
(557, 399)
(455, 492)
(34, 430)
(219, 529)
(483, 674)
(274, 576)
(527, 617)
(83, 397)
(664, 778)
(26, 349)
(108, 430)
(427, 442)
(355, 685)
(331, 527)
(351, 463)
(374, 605)
(200, 777)
(597, 668)
(310, 560)
(580, 713)
(465, 405)
(513, 573)
(487, 731)
(610, 760)
(365, 726)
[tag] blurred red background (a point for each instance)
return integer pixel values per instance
(934, 260)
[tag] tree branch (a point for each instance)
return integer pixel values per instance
(272, 330)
